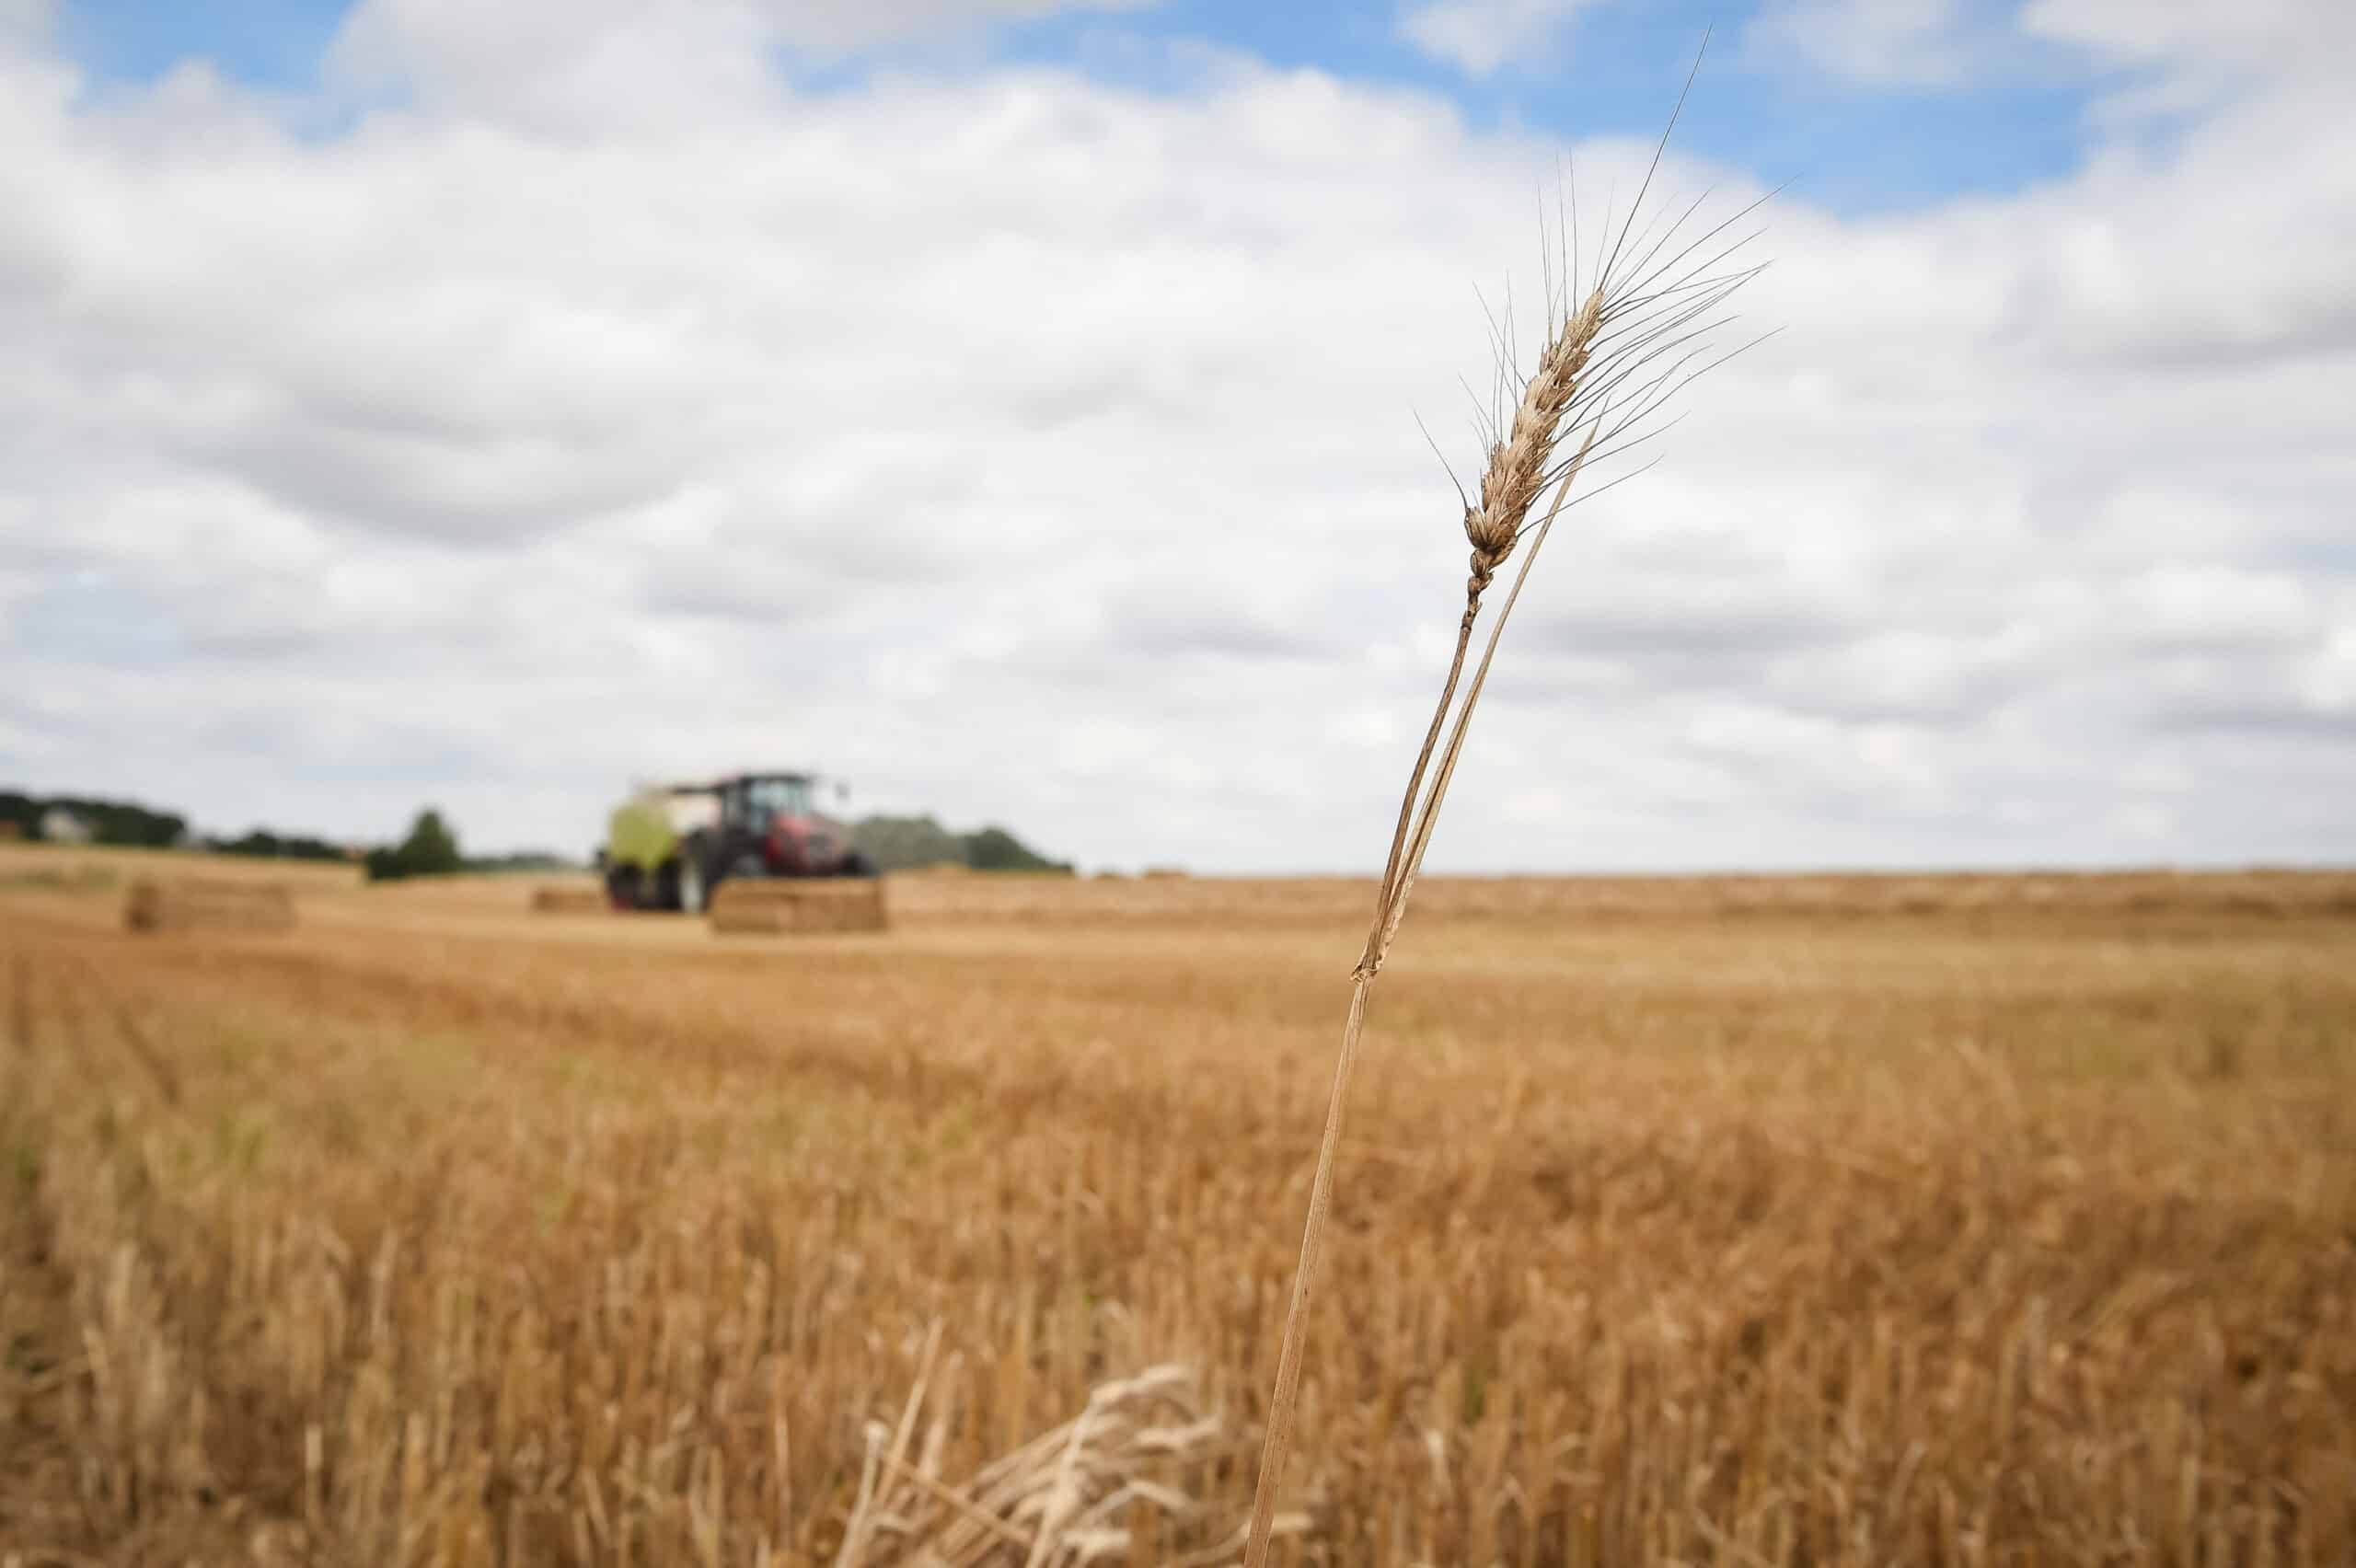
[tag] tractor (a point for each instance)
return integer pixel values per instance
(669, 846)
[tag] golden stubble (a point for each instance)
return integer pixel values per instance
(1834, 1220)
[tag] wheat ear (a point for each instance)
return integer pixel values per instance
(1609, 366)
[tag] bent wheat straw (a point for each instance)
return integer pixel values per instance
(1613, 358)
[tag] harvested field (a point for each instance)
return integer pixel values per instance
(788, 905)
(1821, 1221)
(1175, 900)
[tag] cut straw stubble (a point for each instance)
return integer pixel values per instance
(1611, 360)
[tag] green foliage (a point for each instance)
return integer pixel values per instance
(127, 822)
(262, 844)
(995, 849)
(911, 843)
(109, 822)
(524, 861)
(430, 851)
(906, 843)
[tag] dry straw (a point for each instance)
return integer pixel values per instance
(184, 904)
(1055, 1502)
(773, 906)
(570, 901)
(1616, 352)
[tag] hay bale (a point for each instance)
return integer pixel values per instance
(770, 905)
(208, 903)
(570, 901)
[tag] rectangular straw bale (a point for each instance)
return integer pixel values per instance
(184, 904)
(570, 901)
(775, 905)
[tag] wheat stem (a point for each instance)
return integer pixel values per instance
(1278, 1440)
(1429, 819)
(1595, 373)
(1408, 857)
(1368, 962)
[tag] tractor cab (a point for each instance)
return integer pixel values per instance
(771, 827)
(756, 800)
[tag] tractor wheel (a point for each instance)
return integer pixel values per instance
(623, 886)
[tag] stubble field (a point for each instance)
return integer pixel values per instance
(1850, 1221)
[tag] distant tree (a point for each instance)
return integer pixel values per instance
(910, 843)
(995, 849)
(430, 851)
(905, 843)
(523, 861)
(262, 844)
(106, 822)
(21, 811)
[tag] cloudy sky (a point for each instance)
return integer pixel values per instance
(1010, 406)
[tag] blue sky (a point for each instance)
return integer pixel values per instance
(1853, 144)
(274, 43)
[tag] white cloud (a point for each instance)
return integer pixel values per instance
(1032, 450)
(2269, 37)
(2167, 56)
(1480, 36)
(1885, 42)
(27, 18)
(850, 24)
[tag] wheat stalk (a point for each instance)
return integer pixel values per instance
(1614, 356)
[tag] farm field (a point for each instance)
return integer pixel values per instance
(1832, 1220)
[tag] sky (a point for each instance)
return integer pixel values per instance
(1017, 410)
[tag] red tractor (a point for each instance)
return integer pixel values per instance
(670, 847)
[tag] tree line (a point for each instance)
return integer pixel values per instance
(911, 843)
(106, 821)
(431, 847)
